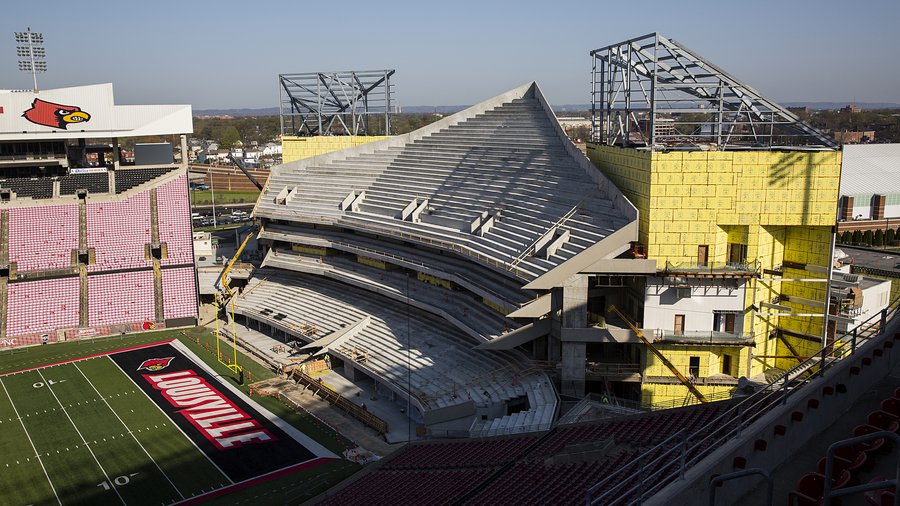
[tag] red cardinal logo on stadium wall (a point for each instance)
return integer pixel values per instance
(55, 115)
(155, 364)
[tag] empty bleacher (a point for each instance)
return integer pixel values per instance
(36, 188)
(120, 297)
(443, 369)
(118, 232)
(508, 160)
(474, 277)
(412, 487)
(554, 467)
(460, 308)
(42, 306)
(92, 182)
(174, 221)
(179, 293)
(127, 179)
(43, 237)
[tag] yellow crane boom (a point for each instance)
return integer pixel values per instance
(223, 280)
(640, 335)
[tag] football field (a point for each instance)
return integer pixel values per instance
(110, 430)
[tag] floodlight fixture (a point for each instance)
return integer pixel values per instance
(30, 48)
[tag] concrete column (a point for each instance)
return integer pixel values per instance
(349, 370)
(574, 299)
(573, 358)
(115, 154)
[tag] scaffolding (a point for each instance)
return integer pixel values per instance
(336, 103)
(653, 92)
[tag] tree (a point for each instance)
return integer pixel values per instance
(889, 237)
(229, 138)
(867, 237)
(857, 237)
(878, 238)
(847, 237)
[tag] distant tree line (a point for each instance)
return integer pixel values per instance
(884, 122)
(227, 131)
(262, 129)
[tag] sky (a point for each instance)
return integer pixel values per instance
(227, 54)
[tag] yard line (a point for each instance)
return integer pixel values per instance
(111, 483)
(173, 422)
(11, 403)
(129, 430)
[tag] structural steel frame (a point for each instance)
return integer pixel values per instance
(652, 91)
(334, 103)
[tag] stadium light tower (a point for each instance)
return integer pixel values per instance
(30, 47)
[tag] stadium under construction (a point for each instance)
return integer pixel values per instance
(641, 323)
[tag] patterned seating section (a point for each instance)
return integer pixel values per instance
(175, 221)
(92, 182)
(179, 293)
(483, 452)
(412, 488)
(121, 297)
(127, 179)
(29, 187)
(42, 306)
(43, 237)
(555, 467)
(118, 232)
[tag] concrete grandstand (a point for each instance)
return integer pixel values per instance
(452, 220)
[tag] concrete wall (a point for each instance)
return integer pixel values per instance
(661, 304)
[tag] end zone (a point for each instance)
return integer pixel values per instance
(78, 359)
(246, 441)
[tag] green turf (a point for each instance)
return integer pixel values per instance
(36, 356)
(105, 404)
(112, 435)
(20, 470)
(171, 450)
(203, 197)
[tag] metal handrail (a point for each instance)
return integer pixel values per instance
(717, 481)
(828, 493)
(723, 428)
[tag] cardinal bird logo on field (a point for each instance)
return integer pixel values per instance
(155, 364)
(55, 115)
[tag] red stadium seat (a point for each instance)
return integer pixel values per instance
(891, 405)
(871, 446)
(880, 497)
(840, 470)
(854, 456)
(883, 421)
(809, 490)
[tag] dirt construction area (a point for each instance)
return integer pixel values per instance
(350, 428)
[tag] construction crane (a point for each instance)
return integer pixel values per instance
(640, 335)
(222, 282)
(240, 164)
